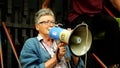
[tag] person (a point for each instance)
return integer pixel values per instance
(91, 12)
(43, 51)
(116, 4)
(113, 7)
(45, 3)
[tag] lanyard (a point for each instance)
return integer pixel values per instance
(51, 53)
(50, 50)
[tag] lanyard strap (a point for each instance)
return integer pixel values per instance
(51, 53)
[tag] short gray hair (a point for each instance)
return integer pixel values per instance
(43, 12)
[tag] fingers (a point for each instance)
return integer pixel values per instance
(61, 44)
(68, 28)
(61, 50)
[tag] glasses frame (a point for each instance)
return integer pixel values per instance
(47, 22)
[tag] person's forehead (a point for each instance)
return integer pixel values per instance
(46, 17)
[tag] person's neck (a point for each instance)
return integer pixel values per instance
(47, 39)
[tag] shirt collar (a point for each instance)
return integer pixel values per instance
(39, 37)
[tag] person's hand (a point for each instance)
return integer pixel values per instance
(69, 29)
(60, 51)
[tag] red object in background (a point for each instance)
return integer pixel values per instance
(99, 61)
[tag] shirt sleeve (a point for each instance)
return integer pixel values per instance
(28, 56)
(80, 63)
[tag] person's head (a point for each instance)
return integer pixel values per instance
(44, 20)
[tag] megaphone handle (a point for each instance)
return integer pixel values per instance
(58, 60)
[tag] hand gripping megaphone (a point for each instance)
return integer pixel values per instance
(79, 39)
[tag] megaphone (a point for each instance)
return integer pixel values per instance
(79, 39)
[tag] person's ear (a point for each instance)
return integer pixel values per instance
(36, 27)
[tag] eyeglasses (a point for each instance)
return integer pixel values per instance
(47, 22)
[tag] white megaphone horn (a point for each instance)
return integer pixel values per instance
(79, 39)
